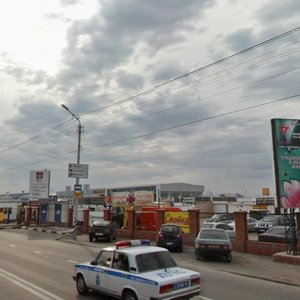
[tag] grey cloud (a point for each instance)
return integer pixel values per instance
(241, 39)
(279, 10)
(130, 81)
(36, 114)
(23, 73)
(110, 37)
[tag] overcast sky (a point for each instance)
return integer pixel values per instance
(157, 86)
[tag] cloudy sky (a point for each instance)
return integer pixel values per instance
(164, 90)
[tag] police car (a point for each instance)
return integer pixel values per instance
(134, 270)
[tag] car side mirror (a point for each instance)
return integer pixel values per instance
(93, 263)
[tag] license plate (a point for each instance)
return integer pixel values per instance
(169, 243)
(180, 285)
(99, 233)
(213, 246)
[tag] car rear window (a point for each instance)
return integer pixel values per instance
(154, 261)
(213, 234)
(271, 218)
(101, 224)
(207, 225)
(170, 228)
(276, 231)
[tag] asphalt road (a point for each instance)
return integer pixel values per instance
(34, 265)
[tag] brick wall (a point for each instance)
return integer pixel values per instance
(240, 244)
(263, 248)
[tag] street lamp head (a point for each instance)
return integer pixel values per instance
(65, 107)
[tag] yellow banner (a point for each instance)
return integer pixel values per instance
(180, 218)
(1, 217)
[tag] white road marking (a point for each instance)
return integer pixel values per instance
(28, 286)
(11, 245)
(37, 252)
(72, 261)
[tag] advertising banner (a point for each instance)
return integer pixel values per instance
(39, 184)
(132, 198)
(286, 149)
(180, 218)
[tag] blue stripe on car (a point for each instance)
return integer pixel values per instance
(111, 272)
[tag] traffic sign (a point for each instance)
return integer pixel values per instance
(78, 170)
(77, 190)
(78, 187)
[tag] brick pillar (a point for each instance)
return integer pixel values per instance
(131, 224)
(106, 214)
(28, 211)
(70, 217)
(160, 218)
(86, 216)
(194, 221)
(241, 230)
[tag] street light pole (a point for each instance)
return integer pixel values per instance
(78, 162)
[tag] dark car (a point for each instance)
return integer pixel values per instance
(211, 242)
(225, 218)
(102, 230)
(276, 234)
(170, 237)
(271, 220)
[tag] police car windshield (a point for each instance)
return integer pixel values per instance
(154, 261)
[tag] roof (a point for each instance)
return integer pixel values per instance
(135, 250)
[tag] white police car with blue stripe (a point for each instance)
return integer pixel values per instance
(134, 270)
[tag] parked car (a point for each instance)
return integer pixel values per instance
(258, 214)
(276, 234)
(271, 220)
(251, 222)
(213, 241)
(170, 237)
(146, 272)
(225, 218)
(102, 230)
(226, 226)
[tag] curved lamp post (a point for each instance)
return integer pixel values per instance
(78, 162)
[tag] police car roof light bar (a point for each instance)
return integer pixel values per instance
(132, 243)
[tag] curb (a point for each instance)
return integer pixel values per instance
(282, 257)
(41, 229)
(260, 277)
(10, 227)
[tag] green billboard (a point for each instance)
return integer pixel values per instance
(286, 149)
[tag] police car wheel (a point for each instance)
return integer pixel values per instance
(129, 295)
(81, 286)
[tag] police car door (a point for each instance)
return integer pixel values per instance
(118, 274)
(98, 277)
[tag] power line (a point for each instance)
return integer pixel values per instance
(198, 121)
(34, 137)
(287, 33)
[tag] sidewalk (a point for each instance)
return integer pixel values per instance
(275, 268)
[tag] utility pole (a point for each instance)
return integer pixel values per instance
(75, 219)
